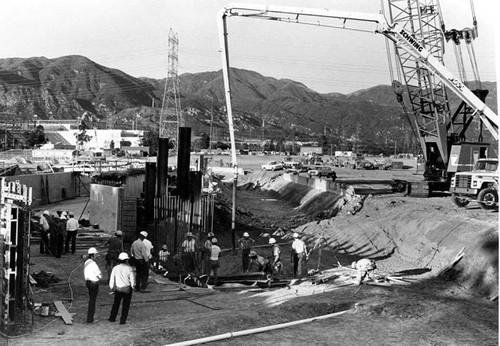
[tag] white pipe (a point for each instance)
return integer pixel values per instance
(255, 330)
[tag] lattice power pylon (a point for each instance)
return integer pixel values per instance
(171, 117)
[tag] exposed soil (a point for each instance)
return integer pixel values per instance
(417, 237)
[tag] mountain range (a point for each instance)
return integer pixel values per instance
(264, 107)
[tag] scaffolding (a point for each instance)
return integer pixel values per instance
(16, 308)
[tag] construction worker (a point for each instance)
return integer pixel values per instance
(298, 254)
(364, 267)
(207, 251)
(122, 282)
(92, 275)
(276, 263)
(163, 254)
(72, 226)
(140, 254)
(189, 252)
(44, 233)
(258, 263)
(246, 244)
(214, 257)
(115, 247)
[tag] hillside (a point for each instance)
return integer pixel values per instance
(66, 87)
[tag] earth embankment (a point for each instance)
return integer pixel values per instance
(402, 233)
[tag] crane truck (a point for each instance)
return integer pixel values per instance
(437, 144)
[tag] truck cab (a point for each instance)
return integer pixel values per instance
(480, 184)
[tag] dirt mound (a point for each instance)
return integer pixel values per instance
(401, 233)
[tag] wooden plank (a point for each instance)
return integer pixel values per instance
(63, 313)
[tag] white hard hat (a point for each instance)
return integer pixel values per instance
(272, 241)
(246, 234)
(118, 233)
(92, 251)
(189, 234)
(210, 234)
(46, 212)
(295, 235)
(123, 256)
(144, 234)
(214, 240)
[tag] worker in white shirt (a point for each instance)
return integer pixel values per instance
(141, 257)
(298, 253)
(72, 226)
(122, 282)
(214, 257)
(364, 267)
(92, 274)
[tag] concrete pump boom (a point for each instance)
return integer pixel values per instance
(323, 17)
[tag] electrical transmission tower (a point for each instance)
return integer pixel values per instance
(170, 117)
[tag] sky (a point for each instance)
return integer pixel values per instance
(132, 36)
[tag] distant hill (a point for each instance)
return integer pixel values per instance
(282, 109)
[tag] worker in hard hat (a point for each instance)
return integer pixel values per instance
(140, 255)
(122, 282)
(364, 267)
(298, 254)
(115, 247)
(246, 243)
(276, 264)
(214, 257)
(258, 263)
(206, 253)
(92, 274)
(189, 248)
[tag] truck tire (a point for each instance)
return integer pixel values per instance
(459, 201)
(488, 198)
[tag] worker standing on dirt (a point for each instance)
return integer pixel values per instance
(189, 252)
(149, 247)
(364, 267)
(276, 264)
(44, 233)
(60, 230)
(246, 244)
(207, 251)
(122, 282)
(72, 226)
(92, 275)
(214, 257)
(115, 247)
(140, 257)
(298, 254)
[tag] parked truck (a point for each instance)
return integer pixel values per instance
(480, 184)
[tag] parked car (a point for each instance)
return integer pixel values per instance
(273, 166)
(322, 171)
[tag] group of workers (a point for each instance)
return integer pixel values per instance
(57, 232)
(251, 261)
(123, 279)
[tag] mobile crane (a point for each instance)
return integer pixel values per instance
(431, 128)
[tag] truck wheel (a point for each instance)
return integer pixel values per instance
(488, 198)
(459, 201)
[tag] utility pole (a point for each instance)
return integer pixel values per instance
(211, 126)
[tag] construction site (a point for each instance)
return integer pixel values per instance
(429, 226)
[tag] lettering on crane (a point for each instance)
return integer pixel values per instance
(411, 40)
(458, 84)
